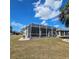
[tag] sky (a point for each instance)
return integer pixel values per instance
(45, 12)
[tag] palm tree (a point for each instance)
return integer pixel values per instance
(64, 16)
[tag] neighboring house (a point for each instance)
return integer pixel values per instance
(63, 33)
(35, 30)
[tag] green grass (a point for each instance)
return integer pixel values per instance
(49, 48)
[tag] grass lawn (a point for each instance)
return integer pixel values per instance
(50, 48)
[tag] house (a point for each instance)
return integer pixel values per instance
(36, 30)
(63, 33)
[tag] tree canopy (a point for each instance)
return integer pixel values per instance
(64, 16)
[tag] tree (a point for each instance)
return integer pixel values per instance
(64, 16)
(10, 29)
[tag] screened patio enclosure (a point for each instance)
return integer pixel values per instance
(35, 30)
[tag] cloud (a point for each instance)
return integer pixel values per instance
(56, 26)
(55, 19)
(44, 22)
(37, 3)
(48, 10)
(54, 4)
(20, 0)
(17, 26)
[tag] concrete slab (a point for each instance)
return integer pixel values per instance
(66, 40)
(22, 39)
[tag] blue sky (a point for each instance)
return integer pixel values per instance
(22, 13)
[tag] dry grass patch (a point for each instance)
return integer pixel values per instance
(51, 48)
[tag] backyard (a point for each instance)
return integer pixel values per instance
(44, 48)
